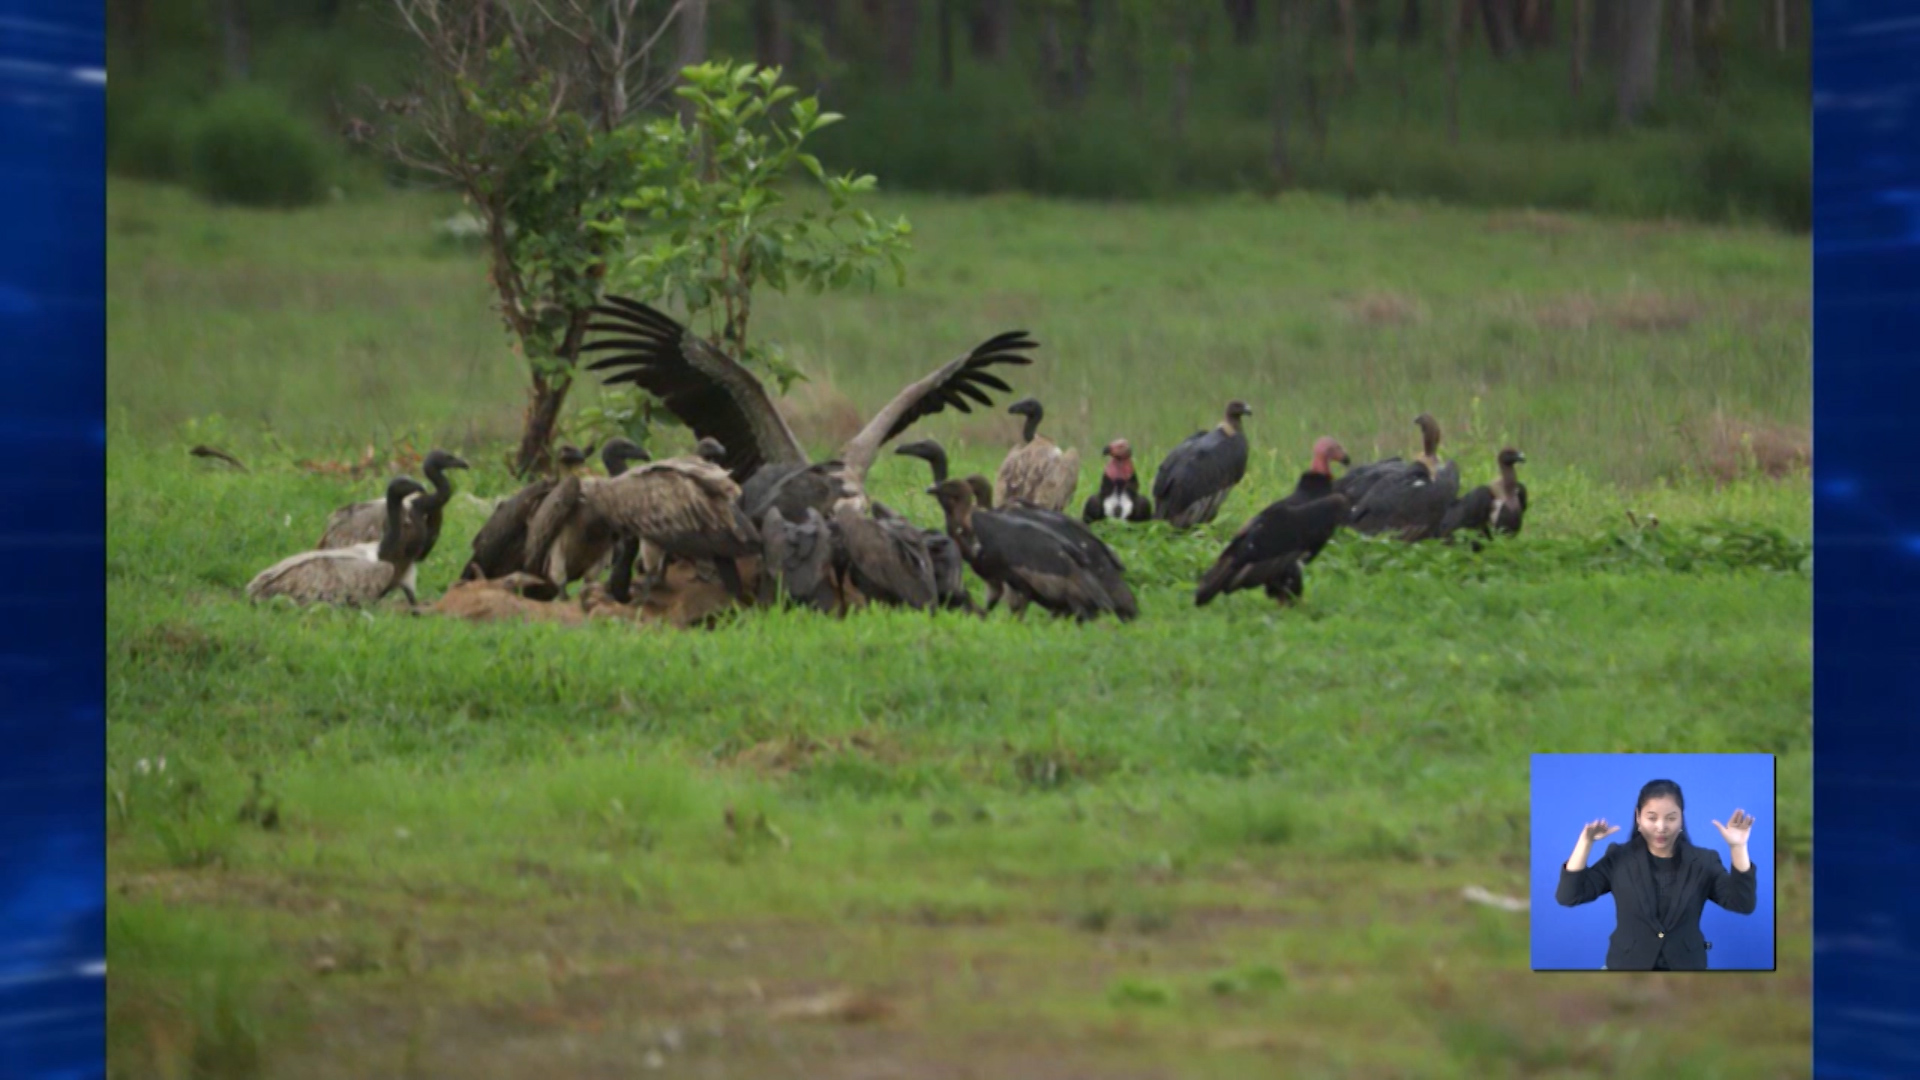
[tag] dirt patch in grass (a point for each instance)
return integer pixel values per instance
(1728, 448)
(1383, 309)
(1638, 312)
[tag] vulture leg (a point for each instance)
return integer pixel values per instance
(620, 576)
(729, 572)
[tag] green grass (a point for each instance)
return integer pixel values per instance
(1207, 843)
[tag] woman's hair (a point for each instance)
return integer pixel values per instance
(1659, 789)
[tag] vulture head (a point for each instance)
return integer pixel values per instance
(1235, 410)
(710, 451)
(400, 487)
(982, 491)
(439, 460)
(1327, 450)
(572, 457)
(1029, 408)
(929, 451)
(618, 454)
(1511, 457)
(1119, 455)
(1429, 432)
(956, 497)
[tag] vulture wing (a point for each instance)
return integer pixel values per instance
(354, 523)
(348, 575)
(1044, 565)
(709, 391)
(799, 556)
(955, 383)
(888, 561)
(1201, 469)
(684, 507)
(500, 547)
(544, 529)
(1472, 511)
(1355, 482)
(1409, 500)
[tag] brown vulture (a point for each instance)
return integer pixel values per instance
(1490, 508)
(885, 559)
(714, 395)
(500, 547)
(1026, 554)
(1406, 498)
(1119, 497)
(1037, 471)
(569, 534)
(366, 522)
(1196, 478)
(358, 575)
(1271, 548)
(684, 508)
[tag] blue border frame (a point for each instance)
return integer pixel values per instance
(53, 325)
(1866, 330)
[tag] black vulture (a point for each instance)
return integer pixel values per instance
(1037, 471)
(1490, 508)
(1407, 498)
(797, 560)
(1024, 553)
(886, 560)
(949, 567)
(1196, 478)
(714, 395)
(366, 522)
(355, 575)
(1119, 497)
(1271, 548)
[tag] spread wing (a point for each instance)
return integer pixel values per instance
(682, 506)
(959, 384)
(707, 390)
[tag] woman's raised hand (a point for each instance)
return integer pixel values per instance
(1737, 828)
(1599, 830)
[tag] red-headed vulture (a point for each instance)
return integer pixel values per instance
(1119, 497)
(1271, 548)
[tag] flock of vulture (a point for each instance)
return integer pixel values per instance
(748, 518)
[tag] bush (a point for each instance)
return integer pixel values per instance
(247, 148)
(146, 140)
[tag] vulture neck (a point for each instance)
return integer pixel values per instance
(442, 489)
(1509, 479)
(393, 537)
(1230, 425)
(938, 460)
(1430, 447)
(1032, 428)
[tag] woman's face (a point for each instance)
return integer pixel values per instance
(1660, 824)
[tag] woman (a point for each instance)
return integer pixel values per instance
(1660, 881)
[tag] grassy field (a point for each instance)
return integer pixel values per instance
(1208, 843)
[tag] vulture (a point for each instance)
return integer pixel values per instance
(500, 547)
(685, 508)
(1019, 553)
(1037, 471)
(1406, 498)
(949, 567)
(714, 395)
(1491, 508)
(798, 561)
(358, 575)
(568, 535)
(366, 522)
(885, 558)
(1199, 474)
(1119, 497)
(1271, 548)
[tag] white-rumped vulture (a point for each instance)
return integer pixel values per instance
(1491, 508)
(358, 575)
(365, 522)
(1406, 498)
(1196, 478)
(1037, 471)
(1274, 545)
(718, 398)
(500, 547)
(1119, 497)
(568, 534)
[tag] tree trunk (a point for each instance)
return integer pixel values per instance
(690, 50)
(1410, 22)
(1244, 16)
(1083, 51)
(1349, 44)
(236, 45)
(1052, 58)
(943, 13)
(1132, 72)
(766, 27)
(1780, 25)
(1606, 31)
(1279, 155)
(1578, 53)
(903, 39)
(1453, 72)
(1680, 48)
(1182, 92)
(1639, 77)
(1498, 17)
(987, 28)
(1536, 24)
(1710, 41)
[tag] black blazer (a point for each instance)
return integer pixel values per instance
(1643, 933)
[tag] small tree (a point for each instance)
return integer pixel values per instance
(724, 225)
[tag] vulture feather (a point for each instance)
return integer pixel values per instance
(1037, 471)
(1199, 474)
(359, 575)
(1021, 556)
(500, 547)
(1409, 499)
(1490, 508)
(1270, 550)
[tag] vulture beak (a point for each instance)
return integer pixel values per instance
(1344, 458)
(1519, 457)
(933, 492)
(458, 463)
